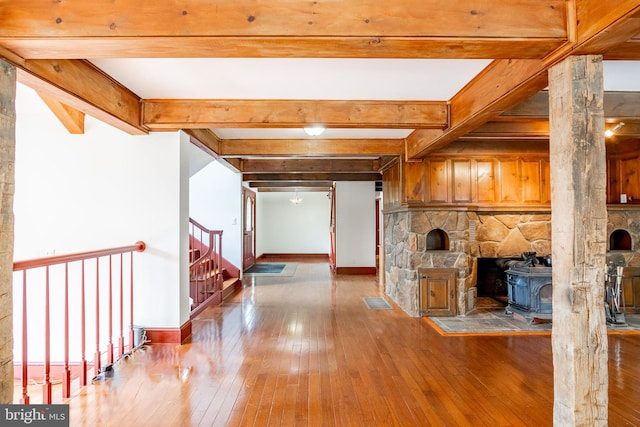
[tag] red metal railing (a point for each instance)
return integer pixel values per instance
(65, 284)
(205, 268)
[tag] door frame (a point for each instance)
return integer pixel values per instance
(248, 228)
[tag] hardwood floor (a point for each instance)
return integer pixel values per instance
(307, 351)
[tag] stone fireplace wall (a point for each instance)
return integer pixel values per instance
(471, 235)
(628, 220)
(474, 235)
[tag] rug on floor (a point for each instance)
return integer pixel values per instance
(272, 269)
(497, 322)
(265, 268)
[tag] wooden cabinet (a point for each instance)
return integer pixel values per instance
(631, 286)
(437, 291)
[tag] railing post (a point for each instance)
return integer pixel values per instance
(121, 336)
(66, 374)
(96, 356)
(25, 363)
(110, 344)
(83, 359)
(131, 341)
(46, 388)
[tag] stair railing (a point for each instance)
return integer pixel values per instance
(205, 268)
(66, 279)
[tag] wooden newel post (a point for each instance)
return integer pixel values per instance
(7, 179)
(579, 224)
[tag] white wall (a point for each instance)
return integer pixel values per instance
(102, 189)
(285, 228)
(355, 224)
(216, 202)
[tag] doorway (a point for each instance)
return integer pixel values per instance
(248, 227)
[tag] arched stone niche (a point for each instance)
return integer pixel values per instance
(620, 240)
(437, 240)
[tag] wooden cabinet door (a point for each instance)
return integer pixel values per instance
(437, 291)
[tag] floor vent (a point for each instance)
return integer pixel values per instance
(376, 303)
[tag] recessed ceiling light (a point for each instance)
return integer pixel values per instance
(314, 130)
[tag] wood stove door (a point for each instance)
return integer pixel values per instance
(437, 291)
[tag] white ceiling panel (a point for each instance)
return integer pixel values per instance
(293, 78)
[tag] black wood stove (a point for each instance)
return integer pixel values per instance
(529, 291)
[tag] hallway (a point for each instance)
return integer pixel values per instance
(306, 350)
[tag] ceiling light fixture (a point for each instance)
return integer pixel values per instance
(610, 132)
(314, 130)
(296, 200)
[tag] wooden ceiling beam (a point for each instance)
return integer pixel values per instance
(308, 165)
(595, 28)
(206, 139)
(501, 85)
(603, 26)
(245, 28)
(379, 47)
(537, 129)
(291, 189)
(183, 114)
(81, 86)
(296, 184)
(71, 119)
(492, 148)
(311, 147)
(628, 51)
(312, 176)
(617, 106)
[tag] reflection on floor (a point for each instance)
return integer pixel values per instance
(490, 318)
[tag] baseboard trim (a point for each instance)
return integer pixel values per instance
(317, 257)
(169, 335)
(356, 270)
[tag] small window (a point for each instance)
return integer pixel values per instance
(437, 240)
(620, 240)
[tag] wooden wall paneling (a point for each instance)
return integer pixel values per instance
(510, 189)
(486, 181)
(461, 180)
(545, 181)
(438, 181)
(531, 181)
(630, 180)
(391, 185)
(413, 182)
(613, 181)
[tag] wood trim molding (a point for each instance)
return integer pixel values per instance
(356, 270)
(169, 335)
(270, 257)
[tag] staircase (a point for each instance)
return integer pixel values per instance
(211, 278)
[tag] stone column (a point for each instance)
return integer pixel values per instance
(7, 161)
(579, 224)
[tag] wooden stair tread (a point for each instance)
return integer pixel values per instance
(229, 282)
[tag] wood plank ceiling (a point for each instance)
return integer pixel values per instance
(50, 44)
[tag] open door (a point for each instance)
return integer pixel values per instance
(248, 227)
(332, 229)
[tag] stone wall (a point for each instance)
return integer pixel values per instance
(471, 235)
